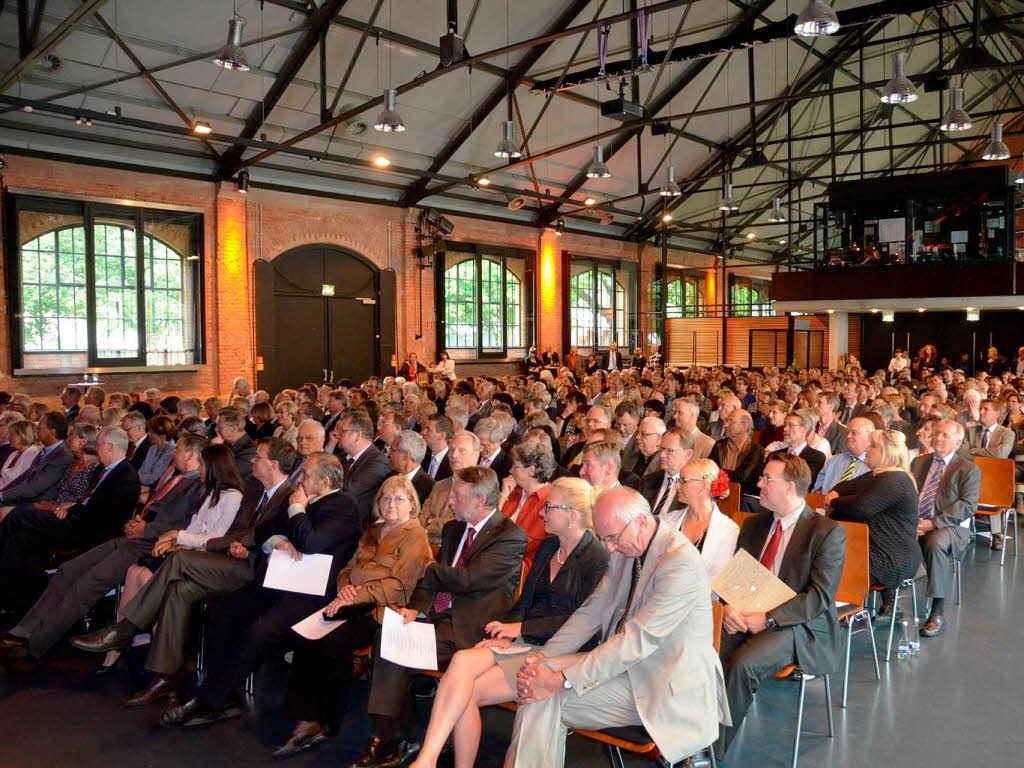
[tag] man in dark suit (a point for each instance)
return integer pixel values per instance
(829, 428)
(795, 430)
(336, 405)
(627, 418)
(365, 467)
(660, 488)
(231, 430)
(472, 581)
(612, 359)
(949, 485)
(389, 423)
(243, 626)
(806, 551)
(738, 454)
(406, 454)
(212, 406)
(852, 407)
(437, 430)
(164, 604)
(491, 434)
(28, 531)
(134, 425)
(40, 480)
(411, 368)
(80, 583)
(70, 398)
(597, 418)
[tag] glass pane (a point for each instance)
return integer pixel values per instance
(169, 293)
(460, 300)
(117, 309)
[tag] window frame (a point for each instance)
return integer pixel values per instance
(627, 309)
(761, 308)
(88, 210)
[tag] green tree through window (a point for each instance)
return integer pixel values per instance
(471, 320)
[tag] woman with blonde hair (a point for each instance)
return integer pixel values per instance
(21, 434)
(701, 482)
(566, 569)
(886, 500)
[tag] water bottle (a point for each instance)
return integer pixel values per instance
(915, 637)
(903, 644)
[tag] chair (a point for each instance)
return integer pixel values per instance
(902, 587)
(786, 674)
(854, 586)
(739, 517)
(997, 494)
(816, 501)
(730, 505)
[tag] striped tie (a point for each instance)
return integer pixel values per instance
(848, 472)
(926, 509)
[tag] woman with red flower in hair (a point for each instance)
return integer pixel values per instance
(714, 534)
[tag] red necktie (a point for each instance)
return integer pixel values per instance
(443, 600)
(162, 491)
(768, 558)
(131, 450)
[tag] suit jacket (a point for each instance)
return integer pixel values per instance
(423, 484)
(364, 478)
(329, 526)
(108, 508)
(650, 485)
(243, 527)
(702, 445)
(748, 468)
(502, 464)
(645, 465)
(444, 469)
(1000, 442)
(330, 420)
(666, 649)
(815, 460)
(853, 412)
(620, 361)
(436, 512)
(638, 361)
(630, 453)
(405, 372)
(482, 588)
(174, 509)
(956, 498)
(244, 450)
(835, 435)
(140, 453)
(39, 482)
(811, 566)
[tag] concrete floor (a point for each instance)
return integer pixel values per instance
(954, 705)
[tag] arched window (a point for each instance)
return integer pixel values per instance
(102, 285)
(483, 299)
(682, 298)
(750, 297)
(600, 303)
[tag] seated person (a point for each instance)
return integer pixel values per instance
(405, 454)
(162, 431)
(850, 463)
(22, 437)
(39, 482)
(803, 630)
(950, 485)
(28, 532)
(81, 582)
(392, 555)
(699, 519)
(524, 492)
(988, 438)
(188, 576)
(737, 453)
(463, 451)
(569, 564)
(655, 664)
(243, 625)
(795, 431)
(472, 581)
(886, 500)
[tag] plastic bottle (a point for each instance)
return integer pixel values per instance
(903, 642)
(915, 637)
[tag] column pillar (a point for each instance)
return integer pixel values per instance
(233, 334)
(550, 292)
(838, 337)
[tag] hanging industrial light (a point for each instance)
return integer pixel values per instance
(899, 89)
(232, 56)
(816, 19)
(777, 216)
(671, 188)
(389, 121)
(507, 148)
(728, 201)
(597, 169)
(956, 118)
(242, 182)
(996, 149)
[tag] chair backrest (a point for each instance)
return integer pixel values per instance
(816, 501)
(717, 613)
(731, 503)
(997, 484)
(522, 579)
(739, 517)
(855, 580)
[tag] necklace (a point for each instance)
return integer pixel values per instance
(559, 558)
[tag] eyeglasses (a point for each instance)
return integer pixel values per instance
(614, 538)
(386, 500)
(650, 434)
(548, 507)
(349, 429)
(663, 449)
(767, 480)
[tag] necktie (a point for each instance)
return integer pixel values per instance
(35, 463)
(666, 500)
(822, 429)
(847, 413)
(131, 451)
(768, 557)
(848, 472)
(620, 627)
(485, 462)
(99, 472)
(984, 438)
(433, 467)
(294, 476)
(162, 491)
(346, 464)
(259, 509)
(443, 600)
(926, 509)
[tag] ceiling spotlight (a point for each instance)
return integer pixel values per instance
(728, 202)
(956, 118)
(242, 182)
(483, 181)
(597, 169)
(507, 148)
(874, 311)
(88, 122)
(816, 19)
(671, 188)
(590, 200)
(381, 161)
(899, 90)
(996, 149)
(782, 242)
(920, 309)
(776, 216)
(27, 108)
(79, 120)
(831, 311)
(232, 56)
(751, 235)
(666, 217)
(201, 127)
(389, 121)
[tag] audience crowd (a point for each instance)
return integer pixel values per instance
(560, 530)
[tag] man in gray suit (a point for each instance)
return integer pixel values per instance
(656, 665)
(39, 481)
(829, 428)
(949, 487)
(806, 551)
(990, 439)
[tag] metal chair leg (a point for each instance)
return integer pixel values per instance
(874, 649)
(1005, 516)
(799, 721)
(958, 575)
(892, 623)
(1015, 538)
(614, 756)
(711, 756)
(846, 666)
(913, 593)
(828, 705)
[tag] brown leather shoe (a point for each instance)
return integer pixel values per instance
(997, 541)
(159, 687)
(934, 626)
(12, 647)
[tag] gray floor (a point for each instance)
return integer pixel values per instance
(954, 705)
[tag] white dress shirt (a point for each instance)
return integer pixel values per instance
(476, 532)
(787, 533)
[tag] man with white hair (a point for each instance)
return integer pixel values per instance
(685, 412)
(491, 433)
(405, 457)
(463, 451)
(649, 431)
(652, 612)
(727, 403)
(597, 418)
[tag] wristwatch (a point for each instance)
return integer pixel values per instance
(770, 623)
(565, 682)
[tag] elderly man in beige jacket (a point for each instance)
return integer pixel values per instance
(656, 665)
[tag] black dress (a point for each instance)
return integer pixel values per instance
(888, 503)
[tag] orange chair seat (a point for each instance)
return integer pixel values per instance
(785, 673)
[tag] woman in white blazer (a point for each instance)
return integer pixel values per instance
(22, 437)
(700, 520)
